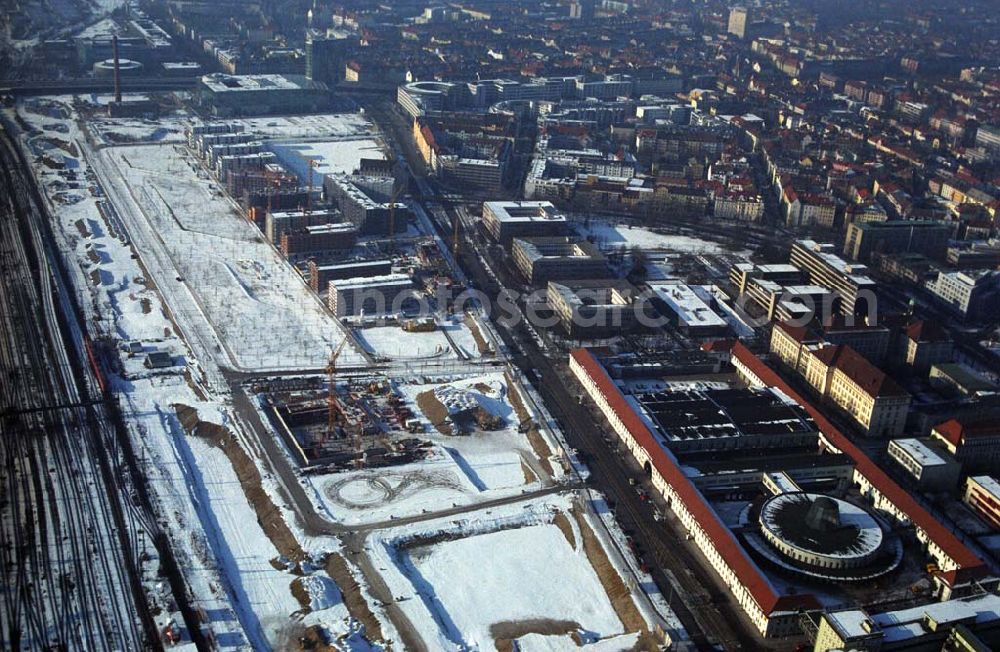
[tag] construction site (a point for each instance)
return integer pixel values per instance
(360, 424)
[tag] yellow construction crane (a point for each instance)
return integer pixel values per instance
(334, 409)
(332, 405)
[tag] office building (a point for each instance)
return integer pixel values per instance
(969, 623)
(375, 295)
(982, 494)
(849, 281)
(923, 344)
(326, 54)
(876, 403)
(899, 236)
(975, 442)
(594, 308)
(318, 240)
(320, 275)
(972, 295)
(558, 258)
(247, 95)
(364, 203)
(692, 309)
(506, 220)
(932, 468)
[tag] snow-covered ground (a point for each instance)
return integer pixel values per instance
(393, 342)
(214, 531)
(330, 157)
(258, 306)
(451, 339)
(319, 126)
(461, 581)
(133, 130)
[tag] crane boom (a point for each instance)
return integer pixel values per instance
(332, 407)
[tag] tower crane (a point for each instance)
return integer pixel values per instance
(332, 405)
(334, 409)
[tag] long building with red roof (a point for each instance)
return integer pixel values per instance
(774, 613)
(959, 565)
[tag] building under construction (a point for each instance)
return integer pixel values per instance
(362, 423)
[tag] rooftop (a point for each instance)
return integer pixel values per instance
(957, 431)
(872, 380)
(989, 484)
(855, 533)
(920, 452)
(558, 247)
(524, 211)
(222, 83)
(690, 307)
(595, 292)
(856, 272)
(967, 564)
(372, 281)
(683, 411)
(980, 609)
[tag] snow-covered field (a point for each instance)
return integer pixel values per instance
(214, 532)
(393, 342)
(330, 157)
(450, 340)
(507, 571)
(258, 306)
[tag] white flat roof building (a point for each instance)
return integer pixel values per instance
(932, 468)
(523, 211)
(692, 309)
(506, 220)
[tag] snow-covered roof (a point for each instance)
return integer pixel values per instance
(849, 623)
(221, 83)
(919, 452)
(690, 307)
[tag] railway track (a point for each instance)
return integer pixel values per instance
(69, 541)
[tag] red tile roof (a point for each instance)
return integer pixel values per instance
(872, 380)
(764, 594)
(925, 331)
(718, 345)
(968, 563)
(956, 430)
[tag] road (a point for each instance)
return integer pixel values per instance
(69, 540)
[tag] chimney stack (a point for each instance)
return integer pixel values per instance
(118, 78)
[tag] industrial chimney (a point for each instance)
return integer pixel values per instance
(118, 77)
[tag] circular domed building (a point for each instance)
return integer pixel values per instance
(825, 537)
